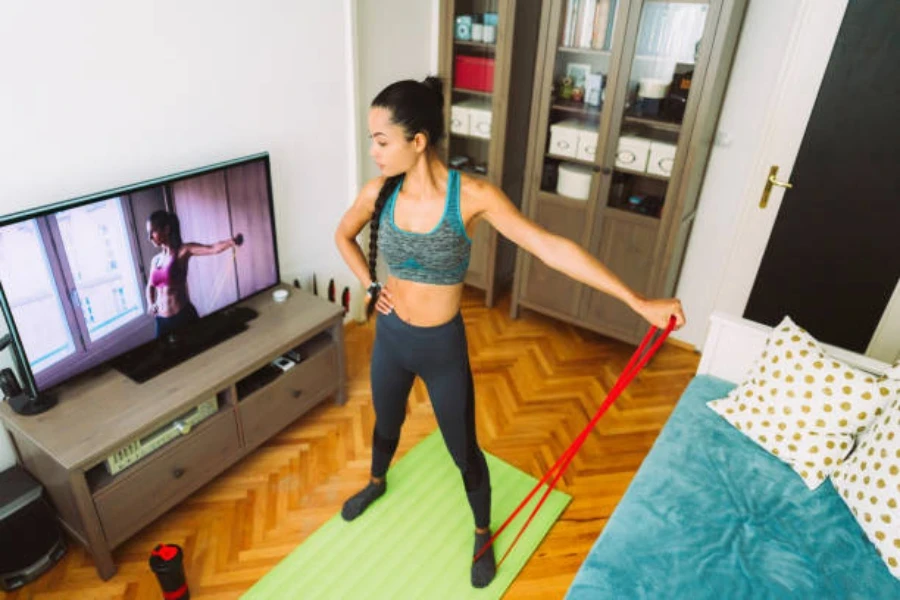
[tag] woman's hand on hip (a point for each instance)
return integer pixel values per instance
(657, 312)
(385, 302)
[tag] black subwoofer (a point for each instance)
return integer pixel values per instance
(31, 540)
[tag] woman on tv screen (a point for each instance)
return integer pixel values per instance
(167, 291)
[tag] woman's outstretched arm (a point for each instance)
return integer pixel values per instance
(566, 256)
(195, 249)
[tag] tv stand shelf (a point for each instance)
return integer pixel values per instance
(98, 413)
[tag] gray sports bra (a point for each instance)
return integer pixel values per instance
(439, 257)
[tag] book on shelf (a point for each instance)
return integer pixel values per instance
(587, 23)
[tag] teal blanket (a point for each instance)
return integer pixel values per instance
(710, 514)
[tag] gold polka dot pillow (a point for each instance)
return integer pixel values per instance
(802, 405)
(869, 483)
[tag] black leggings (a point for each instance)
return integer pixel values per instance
(439, 355)
(166, 325)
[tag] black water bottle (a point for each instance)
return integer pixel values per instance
(167, 562)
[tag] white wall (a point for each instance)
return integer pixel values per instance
(885, 343)
(396, 39)
(102, 93)
(763, 43)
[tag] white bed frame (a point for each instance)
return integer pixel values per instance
(733, 344)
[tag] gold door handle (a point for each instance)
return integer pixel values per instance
(770, 181)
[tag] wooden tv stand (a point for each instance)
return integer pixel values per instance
(98, 413)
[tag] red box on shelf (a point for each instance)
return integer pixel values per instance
(474, 73)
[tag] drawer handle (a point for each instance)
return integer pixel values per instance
(177, 472)
(296, 393)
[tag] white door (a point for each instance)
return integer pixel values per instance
(815, 28)
(783, 53)
(762, 119)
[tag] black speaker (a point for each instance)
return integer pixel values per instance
(31, 541)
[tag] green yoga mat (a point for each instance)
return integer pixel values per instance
(416, 541)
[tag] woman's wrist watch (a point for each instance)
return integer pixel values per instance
(373, 287)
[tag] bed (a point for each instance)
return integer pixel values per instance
(710, 514)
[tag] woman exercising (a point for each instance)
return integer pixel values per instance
(167, 289)
(421, 214)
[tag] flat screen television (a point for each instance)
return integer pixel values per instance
(140, 277)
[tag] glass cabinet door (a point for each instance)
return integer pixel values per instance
(580, 63)
(657, 85)
(476, 26)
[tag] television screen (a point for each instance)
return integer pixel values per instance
(89, 279)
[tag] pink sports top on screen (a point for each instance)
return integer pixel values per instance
(166, 273)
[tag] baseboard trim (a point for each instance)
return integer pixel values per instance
(682, 345)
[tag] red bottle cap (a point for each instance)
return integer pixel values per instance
(165, 552)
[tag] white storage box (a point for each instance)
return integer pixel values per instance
(574, 181)
(480, 121)
(632, 153)
(459, 119)
(662, 157)
(564, 138)
(471, 117)
(587, 144)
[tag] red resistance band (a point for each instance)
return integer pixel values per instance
(628, 374)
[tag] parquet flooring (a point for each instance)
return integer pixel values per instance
(537, 382)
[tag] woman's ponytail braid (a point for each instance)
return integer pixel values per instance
(416, 107)
(390, 184)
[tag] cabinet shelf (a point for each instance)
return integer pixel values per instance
(643, 174)
(99, 478)
(257, 381)
(576, 161)
(659, 124)
(458, 90)
(578, 108)
(591, 51)
(466, 136)
(475, 45)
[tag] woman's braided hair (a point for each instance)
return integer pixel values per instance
(418, 107)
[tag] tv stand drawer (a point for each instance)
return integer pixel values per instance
(277, 405)
(167, 477)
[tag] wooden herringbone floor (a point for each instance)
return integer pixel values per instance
(537, 382)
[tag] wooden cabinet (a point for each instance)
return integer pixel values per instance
(268, 410)
(146, 491)
(547, 287)
(625, 244)
(626, 98)
(488, 93)
(66, 448)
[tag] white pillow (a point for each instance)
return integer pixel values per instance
(803, 406)
(869, 483)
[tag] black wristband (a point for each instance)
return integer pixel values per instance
(373, 287)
